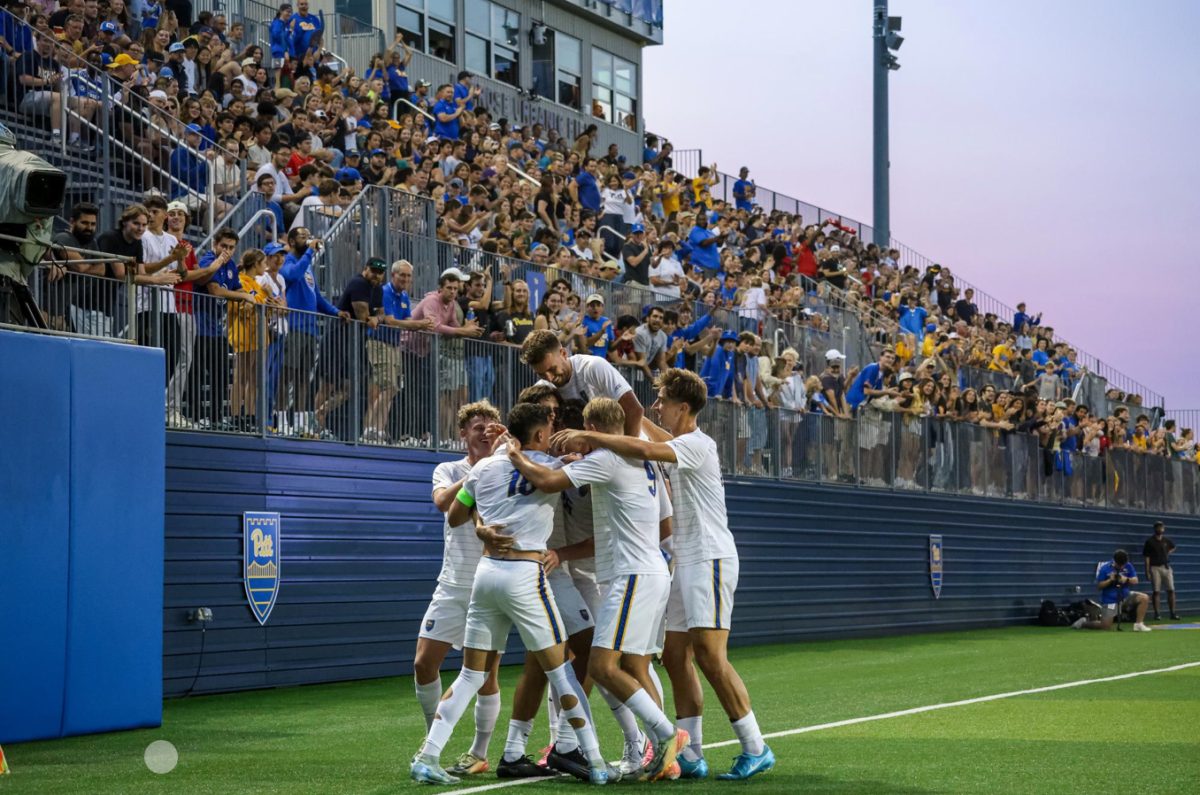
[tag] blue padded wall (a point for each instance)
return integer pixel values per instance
(81, 484)
(114, 652)
(361, 549)
(34, 534)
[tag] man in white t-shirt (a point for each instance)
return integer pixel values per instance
(631, 569)
(510, 588)
(706, 562)
(666, 273)
(445, 622)
(580, 376)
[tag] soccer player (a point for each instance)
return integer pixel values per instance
(581, 376)
(706, 562)
(445, 620)
(630, 567)
(510, 588)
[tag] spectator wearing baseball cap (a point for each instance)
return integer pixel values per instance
(597, 328)
(717, 370)
(636, 256)
(833, 384)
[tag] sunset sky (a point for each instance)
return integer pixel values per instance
(1045, 151)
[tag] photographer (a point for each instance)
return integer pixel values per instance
(1114, 580)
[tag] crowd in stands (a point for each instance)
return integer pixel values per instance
(709, 278)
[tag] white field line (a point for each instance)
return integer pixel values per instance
(883, 716)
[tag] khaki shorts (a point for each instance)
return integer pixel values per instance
(1162, 578)
(384, 359)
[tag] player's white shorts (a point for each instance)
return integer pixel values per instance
(446, 617)
(702, 595)
(577, 615)
(585, 582)
(508, 592)
(631, 614)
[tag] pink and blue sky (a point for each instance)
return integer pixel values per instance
(1045, 151)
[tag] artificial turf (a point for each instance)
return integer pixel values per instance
(1134, 735)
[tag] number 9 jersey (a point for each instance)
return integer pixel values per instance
(503, 497)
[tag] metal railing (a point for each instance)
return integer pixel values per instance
(250, 365)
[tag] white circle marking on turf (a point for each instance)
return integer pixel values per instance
(161, 757)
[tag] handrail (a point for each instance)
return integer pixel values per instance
(254, 219)
(212, 233)
(522, 174)
(609, 228)
(396, 110)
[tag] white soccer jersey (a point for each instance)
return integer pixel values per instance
(701, 526)
(505, 498)
(462, 547)
(592, 377)
(624, 512)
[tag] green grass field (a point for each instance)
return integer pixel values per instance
(1136, 735)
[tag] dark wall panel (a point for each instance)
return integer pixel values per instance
(361, 548)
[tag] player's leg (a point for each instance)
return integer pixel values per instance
(531, 689)
(426, 767)
(708, 590)
(678, 659)
(627, 628)
(442, 628)
(564, 754)
(487, 711)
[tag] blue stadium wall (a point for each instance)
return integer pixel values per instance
(361, 548)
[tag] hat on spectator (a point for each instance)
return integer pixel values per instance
(432, 139)
(272, 248)
(249, 62)
(178, 207)
(122, 60)
(376, 264)
(636, 229)
(729, 336)
(1060, 405)
(594, 297)
(195, 129)
(347, 174)
(378, 152)
(423, 84)
(319, 113)
(456, 273)
(108, 27)
(487, 173)
(494, 126)
(931, 326)
(540, 248)
(176, 47)
(833, 354)
(609, 264)
(516, 128)
(905, 377)
(364, 123)
(158, 93)
(353, 153)
(191, 41)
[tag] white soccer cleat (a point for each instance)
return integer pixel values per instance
(1079, 623)
(633, 758)
(1140, 627)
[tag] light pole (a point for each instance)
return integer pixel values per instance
(886, 39)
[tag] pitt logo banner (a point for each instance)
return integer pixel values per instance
(935, 565)
(260, 561)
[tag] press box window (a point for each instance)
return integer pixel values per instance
(428, 26)
(614, 87)
(493, 41)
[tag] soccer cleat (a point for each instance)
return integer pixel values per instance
(1079, 623)
(1140, 627)
(522, 768)
(635, 757)
(665, 752)
(745, 765)
(469, 765)
(607, 774)
(572, 763)
(697, 769)
(429, 773)
(671, 772)
(1175, 617)
(544, 755)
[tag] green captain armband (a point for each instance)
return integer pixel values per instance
(465, 499)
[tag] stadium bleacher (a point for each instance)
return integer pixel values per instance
(830, 358)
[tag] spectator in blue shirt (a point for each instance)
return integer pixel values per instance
(306, 30)
(585, 190)
(1115, 579)
(869, 383)
(1040, 357)
(465, 91)
(597, 329)
(912, 318)
(394, 315)
(446, 113)
(718, 368)
(281, 36)
(1020, 318)
(705, 246)
(743, 191)
(210, 373)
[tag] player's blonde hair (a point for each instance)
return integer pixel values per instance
(481, 408)
(605, 414)
(684, 386)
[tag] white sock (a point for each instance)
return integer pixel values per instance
(428, 696)
(487, 710)
(518, 737)
(56, 131)
(747, 732)
(657, 684)
(695, 749)
(73, 137)
(624, 716)
(552, 714)
(657, 724)
(565, 740)
(564, 684)
(449, 710)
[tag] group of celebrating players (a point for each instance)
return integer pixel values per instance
(603, 538)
